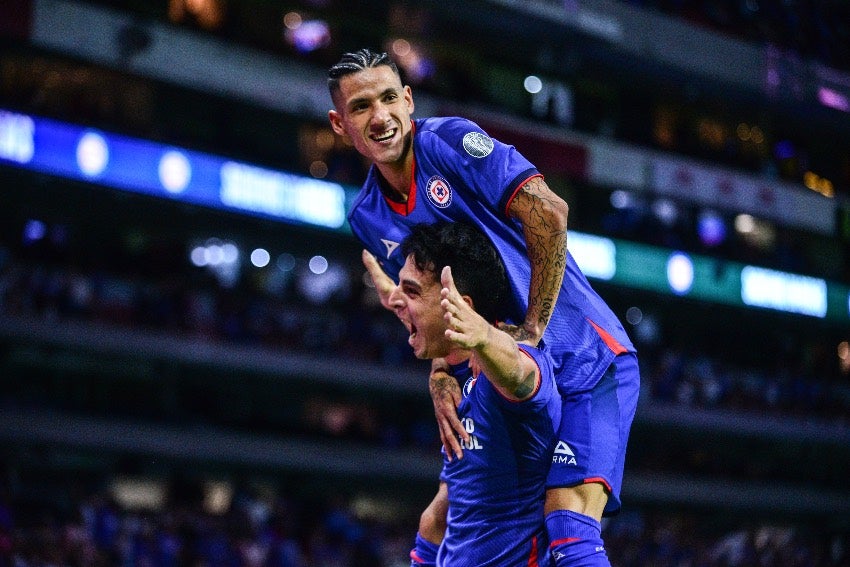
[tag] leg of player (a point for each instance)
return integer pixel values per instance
(432, 527)
(587, 466)
(573, 523)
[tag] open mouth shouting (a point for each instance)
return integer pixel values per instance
(411, 329)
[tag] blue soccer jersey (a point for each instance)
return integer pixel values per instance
(496, 491)
(463, 175)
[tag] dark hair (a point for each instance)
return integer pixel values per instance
(477, 268)
(357, 61)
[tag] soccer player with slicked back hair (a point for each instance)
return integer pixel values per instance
(449, 169)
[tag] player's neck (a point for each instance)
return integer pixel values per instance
(390, 191)
(395, 181)
(458, 356)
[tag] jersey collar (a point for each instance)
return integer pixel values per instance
(407, 207)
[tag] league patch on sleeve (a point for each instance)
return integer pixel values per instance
(477, 144)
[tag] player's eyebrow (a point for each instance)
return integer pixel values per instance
(363, 99)
(411, 284)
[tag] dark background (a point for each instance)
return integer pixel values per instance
(159, 413)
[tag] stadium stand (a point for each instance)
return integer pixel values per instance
(160, 412)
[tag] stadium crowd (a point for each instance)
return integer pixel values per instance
(89, 528)
(85, 525)
(817, 30)
(354, 326)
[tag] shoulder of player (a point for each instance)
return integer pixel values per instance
(364, 205)
(446, 128)
(540, 354)
(363, 193)
(448, 136)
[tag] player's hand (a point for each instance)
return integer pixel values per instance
(464, 326)
(446, 395)
(520, 334)
(384, 285)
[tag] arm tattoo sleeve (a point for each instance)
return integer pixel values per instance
(543, 215)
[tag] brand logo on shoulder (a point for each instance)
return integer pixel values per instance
(439, 192)
(477, 145)
(391, 246)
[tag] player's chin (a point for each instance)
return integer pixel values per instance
(420, 352)
(386, 153)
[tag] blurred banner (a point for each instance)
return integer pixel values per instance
(160, 170)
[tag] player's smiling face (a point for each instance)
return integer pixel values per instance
(416, 301)
(373, 110)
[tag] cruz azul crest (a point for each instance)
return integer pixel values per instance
(439, 192)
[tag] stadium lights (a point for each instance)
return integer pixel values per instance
(151, 168)
(184, 175)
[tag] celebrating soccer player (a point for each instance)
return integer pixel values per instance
(448, 168)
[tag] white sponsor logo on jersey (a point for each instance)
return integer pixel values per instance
(469, 427)
(391, 246)
(477, 144)
(563, 454)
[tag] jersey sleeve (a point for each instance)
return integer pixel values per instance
(491, 171)
(546, 388)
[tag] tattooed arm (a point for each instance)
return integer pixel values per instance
(514, 374)
(544, 218)
(446, 396)
(544, 222)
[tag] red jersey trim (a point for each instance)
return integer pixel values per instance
(564, 540)
(532, 558)
(610, 341)
(598, 479)
(520, 186)
(405, 208)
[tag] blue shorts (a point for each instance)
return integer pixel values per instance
(594, 431)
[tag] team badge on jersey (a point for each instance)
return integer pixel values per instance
(477, 144)
(439, 192)
(467, 387)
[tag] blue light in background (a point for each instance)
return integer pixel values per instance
(159, 170)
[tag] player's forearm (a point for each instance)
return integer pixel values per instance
(544, 218)
(547, 253)
(505, 366)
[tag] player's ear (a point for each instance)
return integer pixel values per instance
(408, 96)
(335, 119)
